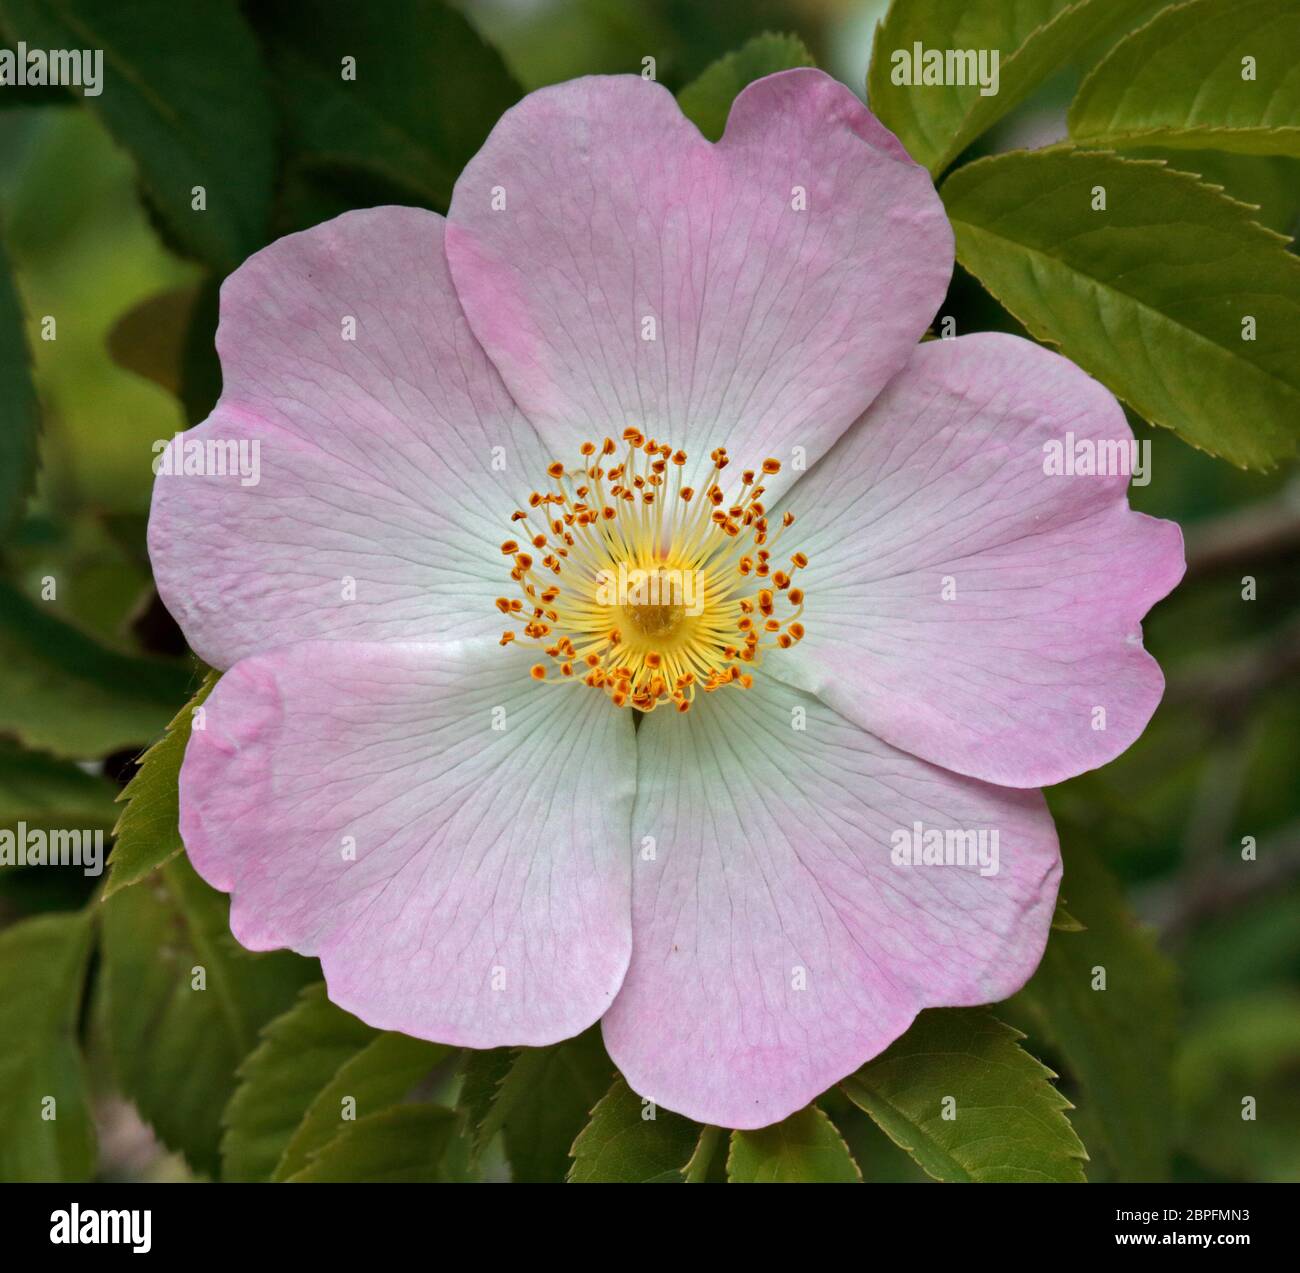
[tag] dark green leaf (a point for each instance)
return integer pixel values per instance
(42, 967)
(69, 695)
(381, 1074)
(175, 1040)
(707, 100)
(1118, 1040)
(1150, 294)
(41, 790)
(426, 91)
(482, 1073)
(630, 1141)
(300, 1052)
(19, 417)
(185, 92)
(805, 1148)
(403, 1144)
(959, 1093)
(148, 833)
(542, 1101)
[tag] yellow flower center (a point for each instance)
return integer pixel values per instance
(641, 587)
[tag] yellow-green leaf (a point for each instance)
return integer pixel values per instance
(1211, 74)
(1162, 287)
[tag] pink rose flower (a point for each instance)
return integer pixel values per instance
(422, 764)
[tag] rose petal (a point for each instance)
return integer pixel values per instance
(776, 946)
(773, 326)
(393, 460)
(486, 902)
(962, 603)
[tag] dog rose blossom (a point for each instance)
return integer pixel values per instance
(631, 621)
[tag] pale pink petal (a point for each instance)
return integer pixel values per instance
(595, 208)
(389, 463)
(776, 945)
(964, 604)
(485, 901)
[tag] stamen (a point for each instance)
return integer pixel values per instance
(653, 594)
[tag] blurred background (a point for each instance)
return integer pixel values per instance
(91, 674)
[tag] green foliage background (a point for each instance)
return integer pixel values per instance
(243, 1080)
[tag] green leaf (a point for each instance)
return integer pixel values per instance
(44, 791)
(148, 833)
(67, 694)
(182, 1003)
(1116, 1041)
(381, 1074)
(630, 1141)
(1034, 38)
(42, 968)
(541, 1101)
(19, 416)
(1004, 1120)
(403, 1144)
(1269, 183)
(184, 91)
(1063, 921)
(1179, 81)
(426, 91)
(1148, 294)
(300, 1052)
(802, 1149)
(482, 1073)
(707, 99)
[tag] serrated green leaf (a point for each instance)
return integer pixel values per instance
(185, 92)
(1149, 294)
(1269, 183)
(805, 1148)
(622, 1145)
(381, 1074)
(300, 1052)
(42, 968)
(175, 1048)
(19, 416)
(541, 1100)
(1034, 38)
(42, 790)
(482, 1073)
(426, 92)
(1118, 1040)
(405, 1144)
(148, 833)
(959, 1093)
(706, 100)
(1179, 81)
(67, 694)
